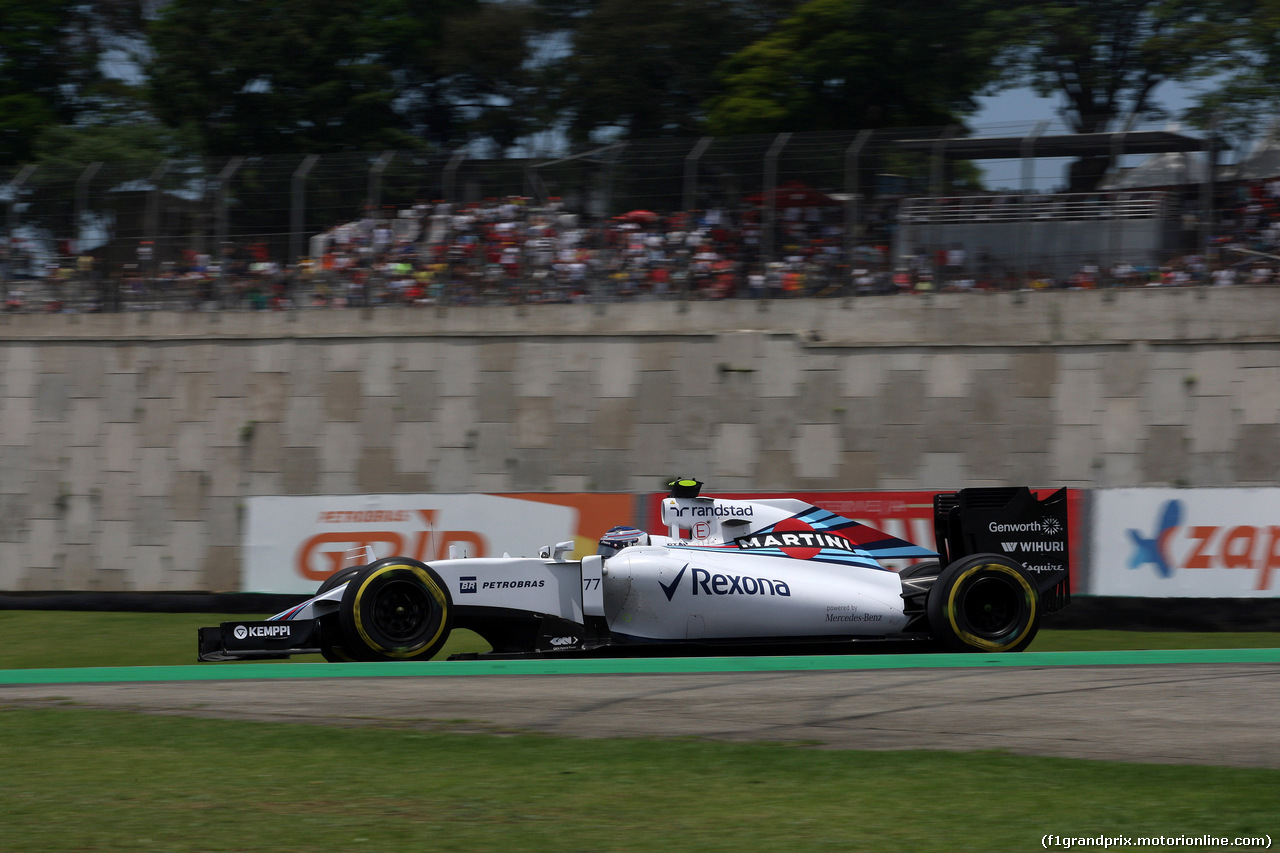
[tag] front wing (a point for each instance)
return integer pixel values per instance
(262, 640)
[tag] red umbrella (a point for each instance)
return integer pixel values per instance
(638, 216)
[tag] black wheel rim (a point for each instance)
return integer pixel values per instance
(402, 610)
(992, 606)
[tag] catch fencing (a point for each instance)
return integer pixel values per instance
(113, 229)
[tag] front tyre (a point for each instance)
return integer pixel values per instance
(338, 578)
(984, 603)
(395, 609)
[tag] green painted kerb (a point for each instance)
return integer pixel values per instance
(643, 666)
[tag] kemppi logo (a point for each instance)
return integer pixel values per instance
(323, 554)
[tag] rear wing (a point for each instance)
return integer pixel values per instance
(1010, 521)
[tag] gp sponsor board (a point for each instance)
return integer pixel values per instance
(906, 515)
(1198, 543)
(293, 543)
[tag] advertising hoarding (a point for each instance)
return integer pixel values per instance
(293, 543)
(1197, 543)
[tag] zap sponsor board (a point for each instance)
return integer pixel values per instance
(292, 544)
(1186, 543)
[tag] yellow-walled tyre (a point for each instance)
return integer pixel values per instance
(395, 609)
(984, 603)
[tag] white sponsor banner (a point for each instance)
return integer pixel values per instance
(293, 543)
(1189, 543)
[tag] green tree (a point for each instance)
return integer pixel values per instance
(486, 76)
(272, 77)
(111, 135)
(296, 76)
(35, 70)
(647, 69)
(1245, 97)
(1106, 58)
(408, 36)
(843, 64)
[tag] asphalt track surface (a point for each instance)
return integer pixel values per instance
(1205, 707)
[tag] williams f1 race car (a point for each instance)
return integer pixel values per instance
(726, 576)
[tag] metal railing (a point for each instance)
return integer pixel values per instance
(1023, 208)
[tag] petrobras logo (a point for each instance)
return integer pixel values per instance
(1173, 546)
(704, 582)
(268, 632)
(467, 584)
(517, 584)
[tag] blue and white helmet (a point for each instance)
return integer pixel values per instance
(621, 537)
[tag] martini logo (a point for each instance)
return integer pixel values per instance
(797, 539)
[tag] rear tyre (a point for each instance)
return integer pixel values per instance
(926, 569)
(395, 609)
(984, 603)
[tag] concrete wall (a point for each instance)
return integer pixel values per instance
(129, 442)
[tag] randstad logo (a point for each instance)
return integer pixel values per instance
(1174, 546)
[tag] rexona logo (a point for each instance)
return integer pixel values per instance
(709, 583)
(244, 632)
(1173, 546)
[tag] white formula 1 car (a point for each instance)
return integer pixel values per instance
(728, 576)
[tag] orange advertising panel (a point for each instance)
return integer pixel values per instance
(293, 543)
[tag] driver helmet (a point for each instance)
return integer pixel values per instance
(621, 537)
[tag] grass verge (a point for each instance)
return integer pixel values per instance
(35, 639)
(99, 780)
